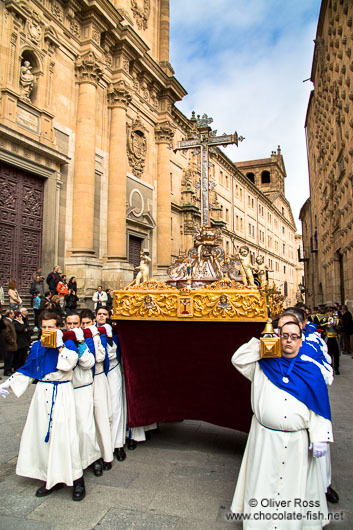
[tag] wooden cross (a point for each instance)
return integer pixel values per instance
(202, 138)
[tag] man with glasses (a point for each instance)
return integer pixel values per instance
(290, 430)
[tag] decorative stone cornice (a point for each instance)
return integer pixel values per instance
(119, 94)
(164, 132)
(88, 69)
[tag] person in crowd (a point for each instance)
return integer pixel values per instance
(22, 340)
(45, 303)
(290, 430)
(52, 279)
(82, 380)
(115, 381)
(109, 303)
(9, 340)
(37, 285)
(99, 298)
(39, 273)
(101, 393)
(71, 300)
(347, 329)
(73, 284)
(331, 325)
(2, 296)
(55, 305)
(49, 448)
(15, 301)
(37, 300)
(62, 289)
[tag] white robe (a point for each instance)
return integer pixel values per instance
(82, 380)
(115, 382)
(277, 465)
(57, 460)
(102, 404)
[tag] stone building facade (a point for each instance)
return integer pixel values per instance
(88, 171)
(327, 216)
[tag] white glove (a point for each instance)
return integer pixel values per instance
(108, 329)
(59, 339)
(319, 449)
(93, 330)
(3, 388)
(79, 334)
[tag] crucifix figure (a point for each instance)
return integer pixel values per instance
(201, 140)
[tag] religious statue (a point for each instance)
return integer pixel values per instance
(262, 271)
(246, 267)
(143, 268)
(26, 79)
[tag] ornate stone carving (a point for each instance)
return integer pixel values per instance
(34, 31)
(136, 146)
(119, 94)
(57, 10)
(74, 27)
(88, 69)
(26, 79)
(141, 10)
(164, 132)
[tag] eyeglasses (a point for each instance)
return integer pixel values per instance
(292, 336)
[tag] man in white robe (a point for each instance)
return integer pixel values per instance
(278, 474)
(115, 382)
(82, 381)
(49, 448)
(101, 392)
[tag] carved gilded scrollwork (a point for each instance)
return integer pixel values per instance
(136, 146)
(140, 12)
(157, 301)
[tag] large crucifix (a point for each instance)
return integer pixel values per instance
(202, 137)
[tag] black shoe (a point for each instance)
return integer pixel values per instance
(97, 467)
(79, 492)
(107, 466)
(131, 444)
(337, 372)
(148, 435)
(120, 454)
(332, 495)
(43, 492)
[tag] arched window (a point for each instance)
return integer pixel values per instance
(251, 177)
(265, 177)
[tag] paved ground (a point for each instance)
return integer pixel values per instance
(182, 479)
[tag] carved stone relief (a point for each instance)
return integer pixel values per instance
(136, 146)
(141, 10)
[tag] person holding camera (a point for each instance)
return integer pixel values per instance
(70, 301)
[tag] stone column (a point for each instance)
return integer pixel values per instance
(164, 134)
(119, 99)
(164, 31)
(88, 73)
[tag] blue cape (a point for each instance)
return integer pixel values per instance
(92, 349)
(40, 361)
(310, 328)
(305, 381)
(104, 341)
(118, 349)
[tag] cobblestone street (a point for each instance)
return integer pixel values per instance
(182, 479)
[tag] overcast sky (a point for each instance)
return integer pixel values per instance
(243, 62)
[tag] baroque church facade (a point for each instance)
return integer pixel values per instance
(327, 216)
(89, 175)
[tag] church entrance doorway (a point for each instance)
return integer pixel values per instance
(21, 222)
(135, 245)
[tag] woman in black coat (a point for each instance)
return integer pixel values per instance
(22, 339)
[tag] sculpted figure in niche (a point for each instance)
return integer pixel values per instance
(26, 78)
(143, 268)
(246, 267)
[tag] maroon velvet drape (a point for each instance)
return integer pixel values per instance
(182, 370)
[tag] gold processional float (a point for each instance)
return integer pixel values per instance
(177, 337)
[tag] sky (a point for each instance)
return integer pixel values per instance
(243, 62)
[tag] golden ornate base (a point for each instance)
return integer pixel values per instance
(154, 300)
